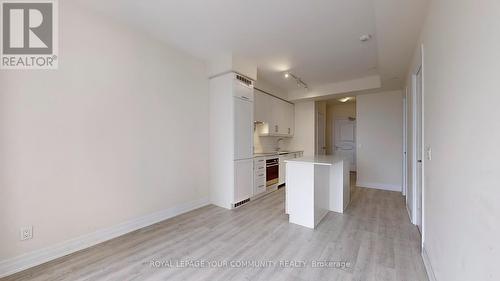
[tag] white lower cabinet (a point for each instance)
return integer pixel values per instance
(282, 170)
(283, 158)
(259, 175)
(243, 179)
(259, 167)
(260, 186)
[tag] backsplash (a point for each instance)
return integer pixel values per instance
(268, 144)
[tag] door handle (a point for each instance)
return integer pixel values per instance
(419, 161)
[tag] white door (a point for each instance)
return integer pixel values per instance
(345, 140)
(243, 180)
(243, 129)
(320, 134)
(405, 142)
(418, 191)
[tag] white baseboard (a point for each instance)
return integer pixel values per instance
(428, 266)
(409, 214)
(382, 186)
(16, 264)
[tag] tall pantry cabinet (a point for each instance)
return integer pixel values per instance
(231, 140)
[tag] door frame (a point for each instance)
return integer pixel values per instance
(405, 142)
(415, 110)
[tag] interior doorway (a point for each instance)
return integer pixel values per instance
(415, 130)
(405, 144)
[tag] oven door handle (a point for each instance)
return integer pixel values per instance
(274, 165)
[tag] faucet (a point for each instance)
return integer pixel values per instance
(278, 144)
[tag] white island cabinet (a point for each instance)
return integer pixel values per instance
(314, 186)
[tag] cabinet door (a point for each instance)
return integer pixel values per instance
(276, 126)
(259, 186)
(274, 118)
(261, 107)
(282, 170)
(243, 180)
(290, 117)
(283, 118)
(243, 91)
(243, 129)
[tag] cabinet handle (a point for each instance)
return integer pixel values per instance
(275, 128)
(243, 97)
(261, 175)
(289, 130)
(261, 185)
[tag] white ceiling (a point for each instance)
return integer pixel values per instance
(317, 40)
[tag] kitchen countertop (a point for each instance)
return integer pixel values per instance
(318, 159)
(277, 153)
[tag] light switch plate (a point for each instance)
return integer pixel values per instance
(428, 153)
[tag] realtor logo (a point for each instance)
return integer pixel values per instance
(29, 33)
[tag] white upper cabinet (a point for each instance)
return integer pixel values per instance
(243, 128)
(277, 115)
(290, 121)
(262, 106)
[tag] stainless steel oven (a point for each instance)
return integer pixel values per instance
(272, 171)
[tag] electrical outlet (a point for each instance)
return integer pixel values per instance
(26, 232)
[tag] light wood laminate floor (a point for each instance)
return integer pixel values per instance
(374, 237)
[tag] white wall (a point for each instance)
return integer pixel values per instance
(461, 209)
(304, 136)
(267, 144)
(230, 62)
(112, 135)
(379, 130)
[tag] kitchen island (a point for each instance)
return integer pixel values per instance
(316, 185)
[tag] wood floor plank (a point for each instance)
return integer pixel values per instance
(374, 238)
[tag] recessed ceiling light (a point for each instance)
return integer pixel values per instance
(346, 99)
(365, 37)
(287, 74)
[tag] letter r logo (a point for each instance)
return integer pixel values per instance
(27, 28)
